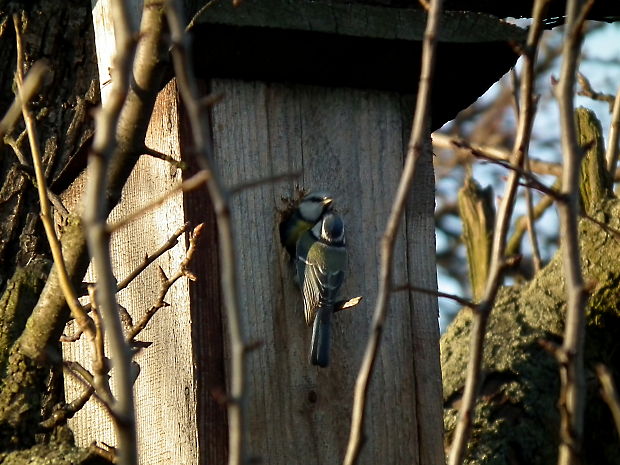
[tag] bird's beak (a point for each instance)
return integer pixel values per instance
(327, 202)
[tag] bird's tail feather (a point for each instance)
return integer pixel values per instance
(319, 351)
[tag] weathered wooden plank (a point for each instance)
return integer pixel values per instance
(348, 142)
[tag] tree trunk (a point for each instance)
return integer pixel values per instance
(516, 418)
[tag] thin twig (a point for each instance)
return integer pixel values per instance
(167, 283)
(190, 184)
(66, 412)
(611, 154)
(29, 87)
(148, 259)
(104, 146)
(100, 363)
(414, 151)
(496, 269)
(85, 378)
(71, 338)
(489, 153)
(109, 453)
(530, 218)
(588, 91)
(198, 14)
(83, 320)
(30, 174)
(262, 181)
(609, 393)
(529, 202)
(442, 295)
(178, 164)
(492, 153)
(605, 227)
(532, 181)
(520, 227)
(572, 394)
(200, 125)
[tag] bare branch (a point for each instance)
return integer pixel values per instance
(108, 453)
(167, 284)
(492, 154)
(530, 219)
(170, 243)
(533, 181)
(83, 320)
(85, 378)
(190, 184)
(414, 152)
(614, 132)
(29, 172)
(100, 363)
(29, 87)
(200, 125)
(609, 393)
(198, 14)
(572, 395)
(259, 182)
(104, 146)
(66, 412)
(605, 227)
(588, 91)
(466, 412)
(442, 295)
(514, 242)
(178, 164)
(529, 202)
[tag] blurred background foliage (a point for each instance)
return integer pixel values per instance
(491, 122)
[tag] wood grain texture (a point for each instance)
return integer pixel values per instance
(350, 143)
(165, 389)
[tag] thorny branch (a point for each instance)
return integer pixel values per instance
(167, 283)
(148, 259)
(572, 394)
(170, 243)
(229, 278)
(466, 412)
(414, 152)
(66, 412)
(104, 146)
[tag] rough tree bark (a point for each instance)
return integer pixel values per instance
(516, 419)
(30, 385)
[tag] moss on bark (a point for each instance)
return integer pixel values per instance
(516, 420)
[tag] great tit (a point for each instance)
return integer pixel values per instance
(321, 259)
(309, 211)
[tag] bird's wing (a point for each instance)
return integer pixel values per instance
(318, 286)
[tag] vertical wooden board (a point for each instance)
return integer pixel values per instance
(348, 142)
(422, 271)
(165, 389)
